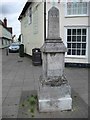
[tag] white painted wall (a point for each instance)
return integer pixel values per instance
(4, 33)
(65, 21)
(33, 34)
(89, 42)
(32, 40)
(0, 30)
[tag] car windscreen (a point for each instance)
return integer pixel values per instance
(15, 45)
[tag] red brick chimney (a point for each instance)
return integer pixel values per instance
(5, 22)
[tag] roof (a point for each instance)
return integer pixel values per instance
(1, 23)
(24, 9)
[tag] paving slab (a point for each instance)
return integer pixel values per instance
(9, 111)
(80, 108)
(17, 83)
(20, 78)
(11, 101)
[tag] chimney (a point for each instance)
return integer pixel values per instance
(5, 22)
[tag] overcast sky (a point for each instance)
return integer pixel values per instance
(11, 9)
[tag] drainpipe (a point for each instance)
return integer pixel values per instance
(45, 20)
(21, 39)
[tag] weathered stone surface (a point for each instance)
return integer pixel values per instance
(61, 104)
(55, 64)
(54, 47)
(54, 91)
(53, 23)
(55, 98)
(53, 81)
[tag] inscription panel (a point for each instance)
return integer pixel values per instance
(53, 23)
(55, 65)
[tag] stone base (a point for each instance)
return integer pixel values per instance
(47, 105)
(54, 98)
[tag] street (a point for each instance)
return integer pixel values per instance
(18, 75)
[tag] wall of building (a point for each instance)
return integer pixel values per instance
(6, 33)
(89, 35)
(0, 36)
(0, 30)
(5, 36)
(74, 21)
(33, 33)
(0, 43)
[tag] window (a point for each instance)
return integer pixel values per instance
(2, 41)
(30, 15)
(76, 8)
(76, 41)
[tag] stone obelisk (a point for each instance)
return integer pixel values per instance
(54, 93)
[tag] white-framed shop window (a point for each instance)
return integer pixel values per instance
(76, 41)
(76, 8)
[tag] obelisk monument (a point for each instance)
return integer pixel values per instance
(54, 93)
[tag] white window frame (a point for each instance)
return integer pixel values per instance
(77, 56)
(76, 15)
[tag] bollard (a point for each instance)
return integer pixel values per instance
(7, 51)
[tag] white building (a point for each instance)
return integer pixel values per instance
(74, 19)
(5, 34)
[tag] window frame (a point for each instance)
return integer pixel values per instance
(76, 15)
(2, 41)
(77, 56)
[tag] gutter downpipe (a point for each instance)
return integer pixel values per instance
(44, 20)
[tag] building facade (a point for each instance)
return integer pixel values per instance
(5, 34)
(74, 24)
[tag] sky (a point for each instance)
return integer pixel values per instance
(11, 9)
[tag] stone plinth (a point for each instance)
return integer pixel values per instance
(57, 98)
(53, 57)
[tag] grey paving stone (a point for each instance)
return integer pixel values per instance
(29, 80)
(28, 88)
(11, 101)
(3, 98)
(28, 74)
(6, 83)
(11, 75)
(1, 92)
(17, 83)
(0, 101)
(4, 93)
(28, 83)
(14, 92)
(5, 89)
(0, 110)
(80, 108)
(9, 111)
(81, 90)
(85, 97)
(24, 77)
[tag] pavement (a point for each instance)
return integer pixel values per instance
(19, 76)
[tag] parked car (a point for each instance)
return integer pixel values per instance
(14, 47)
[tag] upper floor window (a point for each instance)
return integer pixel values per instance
(2, 41)
(30, 15)
(77, 8)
